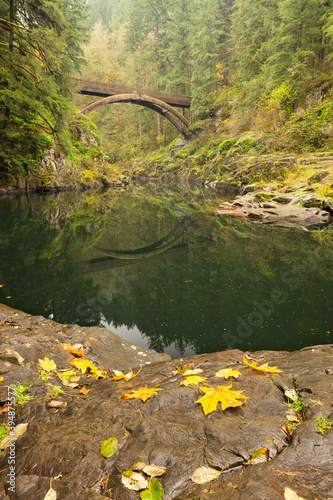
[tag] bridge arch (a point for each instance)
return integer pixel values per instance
(161, 107)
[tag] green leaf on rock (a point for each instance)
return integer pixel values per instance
(3, 432)
(154, 491)
(109, 447)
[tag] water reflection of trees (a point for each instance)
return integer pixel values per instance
(189, 295)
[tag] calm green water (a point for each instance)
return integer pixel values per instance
(157, 266)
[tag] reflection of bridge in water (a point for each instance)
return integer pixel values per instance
(169, 246)
(160, 102)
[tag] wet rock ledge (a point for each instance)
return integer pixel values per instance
(297, 209)
(169, 429)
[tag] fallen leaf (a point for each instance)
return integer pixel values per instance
(227, 373)
(86, 366)
(69, 378)
(196, 371)
(259, 456)
(47, 364)
(134, 481)
(316, 402)
(3, 431)
(291, 394)
(1, 379)
(193, 380)
(293, 418)
(184, 368)
(51, 495)
(54, 403)
(291, 495)
(4, 409)
(222, 394)
(154, 491)
(262, 368)
(109, 447)
(16, 355)
(76, 349)
(15, 434)
(151, 470)
(205, 475)
(142, 393)
(84, 390)
(120, 375)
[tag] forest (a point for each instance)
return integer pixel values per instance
(262, 65)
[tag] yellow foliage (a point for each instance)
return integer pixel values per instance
(47, 364)
(86, 366)
(222, 394)
(262, 368)
(227, 373)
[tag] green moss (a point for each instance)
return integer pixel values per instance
(226, 145)
(246, 144)
(264, 196)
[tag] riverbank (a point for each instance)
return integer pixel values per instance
(64, 430)
(82, 166)
(294, 189)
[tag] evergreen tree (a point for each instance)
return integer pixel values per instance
(209, 38)
(147, 36)
(253, 25)
(178, 77)
(41, 46)
(296, 47)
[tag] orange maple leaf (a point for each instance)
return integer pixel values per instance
(142, 393)
(74, 349)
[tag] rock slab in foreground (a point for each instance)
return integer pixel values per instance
(169, 429)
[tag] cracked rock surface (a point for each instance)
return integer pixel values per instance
(169, 429)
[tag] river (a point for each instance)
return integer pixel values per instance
(156, 265)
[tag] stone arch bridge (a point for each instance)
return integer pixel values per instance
(164, 104)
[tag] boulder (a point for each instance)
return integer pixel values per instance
(318, 177)
(170, 429)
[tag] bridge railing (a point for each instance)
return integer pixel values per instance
(106, 89)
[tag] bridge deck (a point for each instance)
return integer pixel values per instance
(106, 89)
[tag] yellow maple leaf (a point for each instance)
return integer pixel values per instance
(76, 349)
(142, 393)
(128, 376)
(227, 373)
(193, 380)
(47, 364)
(262, 368)
(86, 366)
(222, 394)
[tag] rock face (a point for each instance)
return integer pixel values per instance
(297, 209)
(170, 429)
